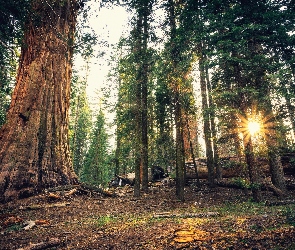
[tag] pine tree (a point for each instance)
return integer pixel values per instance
(80, 128)
(96, 169)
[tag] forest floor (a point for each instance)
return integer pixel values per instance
(218, 218)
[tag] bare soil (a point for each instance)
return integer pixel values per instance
(218, 218)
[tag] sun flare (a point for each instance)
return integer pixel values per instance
(253, 127)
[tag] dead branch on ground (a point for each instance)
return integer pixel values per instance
(82, 188)
(189, 215)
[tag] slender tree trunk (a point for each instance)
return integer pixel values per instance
(192, 152)
(144, 103)
(206, 117)
(213, 128)
(138, 159)
(141, 40)
(290, 92)
(118, 135)
(178, 112)
(138, 118)
(180, 160)
(291, 111)
(117, 155)
(74, 138)
(34, 145)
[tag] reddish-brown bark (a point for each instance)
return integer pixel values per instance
(34, 149)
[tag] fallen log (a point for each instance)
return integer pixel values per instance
(243, 184)
(53, 242)
(82, 188)
(96, 190)
(189, 215)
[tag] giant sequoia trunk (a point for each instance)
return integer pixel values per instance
(34, 148)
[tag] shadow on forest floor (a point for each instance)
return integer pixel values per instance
(219, 218)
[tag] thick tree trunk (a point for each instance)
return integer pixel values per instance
(34, 147)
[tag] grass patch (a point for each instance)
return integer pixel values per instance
(242, 208)
(93, 221)
(105, 220)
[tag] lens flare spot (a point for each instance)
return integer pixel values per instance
(253, 127)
